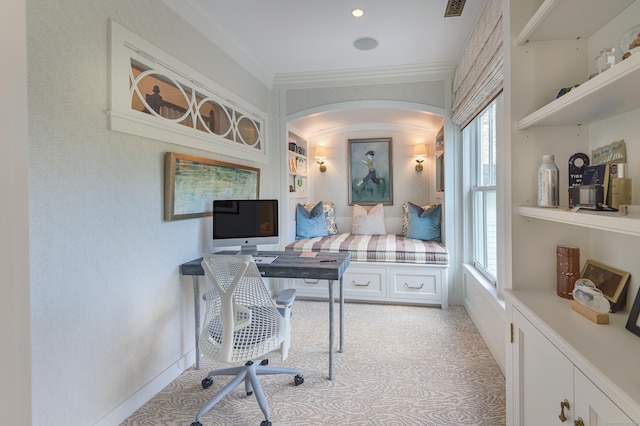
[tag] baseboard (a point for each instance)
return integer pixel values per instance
(148, 391)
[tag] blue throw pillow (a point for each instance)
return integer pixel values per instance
(310, 224)
(424, 224)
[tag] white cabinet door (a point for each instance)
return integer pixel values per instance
(543, 377)
(594, 407)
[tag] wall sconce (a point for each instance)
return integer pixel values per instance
(321, 154)
(419, 151)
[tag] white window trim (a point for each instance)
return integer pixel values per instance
(503, 279)
(126, 45)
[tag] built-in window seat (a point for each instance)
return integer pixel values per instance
(408, 268)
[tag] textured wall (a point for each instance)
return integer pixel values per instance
(110, 312)
(15, 356)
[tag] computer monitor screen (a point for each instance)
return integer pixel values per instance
(245, 223)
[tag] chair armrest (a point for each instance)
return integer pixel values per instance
(286, 297)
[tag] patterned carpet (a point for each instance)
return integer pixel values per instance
(402, 365)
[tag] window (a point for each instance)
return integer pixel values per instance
(156, 96)
(479, 138)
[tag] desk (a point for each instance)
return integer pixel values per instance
(287, 265)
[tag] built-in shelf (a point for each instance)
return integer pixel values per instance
(605, 221)
(550, 20)
(613, 92)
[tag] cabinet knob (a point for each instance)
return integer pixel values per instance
(564, 404)
(579, 422)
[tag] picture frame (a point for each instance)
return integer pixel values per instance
(369, 164)
(612, 282)
(192, 183)
(633, 322)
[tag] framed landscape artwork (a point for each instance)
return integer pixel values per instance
(370, 171)
(192, 183)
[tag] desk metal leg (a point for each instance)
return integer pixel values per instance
(196, 310)
(341, 316)
(331, 283)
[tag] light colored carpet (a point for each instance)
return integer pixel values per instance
(402, 365)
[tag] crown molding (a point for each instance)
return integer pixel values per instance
(418, 72)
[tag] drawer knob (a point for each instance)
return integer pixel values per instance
(355, 284)
(413, 287)
(579, 422)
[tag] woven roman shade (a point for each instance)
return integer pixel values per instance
(479, 74)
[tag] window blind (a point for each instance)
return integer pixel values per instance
(479, 74)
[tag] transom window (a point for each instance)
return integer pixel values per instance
(156, 96)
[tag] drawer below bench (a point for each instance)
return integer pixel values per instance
(383, 282)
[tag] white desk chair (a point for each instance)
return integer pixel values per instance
(243, 324)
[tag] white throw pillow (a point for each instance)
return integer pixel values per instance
(368, 223)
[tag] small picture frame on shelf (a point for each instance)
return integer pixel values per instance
(633, 323)
(612, 282)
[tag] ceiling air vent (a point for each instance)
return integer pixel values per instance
(454, 8)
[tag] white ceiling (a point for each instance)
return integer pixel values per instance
(301, 37)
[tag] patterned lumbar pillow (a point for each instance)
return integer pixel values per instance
(424, 224)
(310, 223)
(368, 222)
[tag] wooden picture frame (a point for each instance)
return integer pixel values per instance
(192, 183)
(633, 323)
(612, 282)
(370, 171)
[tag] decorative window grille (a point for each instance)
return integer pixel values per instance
(154, 95)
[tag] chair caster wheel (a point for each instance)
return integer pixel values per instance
(196, 424)
(265, 423)
(206, 382)
(298, 380)
(249, 393)
(264, 362)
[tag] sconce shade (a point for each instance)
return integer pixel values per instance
(321, 152)
(420, 150)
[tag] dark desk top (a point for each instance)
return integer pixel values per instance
(289, 265)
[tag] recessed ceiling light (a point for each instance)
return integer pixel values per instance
(357, 12)
(365, 43)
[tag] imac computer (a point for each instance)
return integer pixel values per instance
(245, 223)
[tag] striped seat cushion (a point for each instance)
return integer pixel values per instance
(376, 248)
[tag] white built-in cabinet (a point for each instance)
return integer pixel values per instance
(562, 366)
(382, 282)
(554, 354)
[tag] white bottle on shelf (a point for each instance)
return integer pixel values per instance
(548, 185)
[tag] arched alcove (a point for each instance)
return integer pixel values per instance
(331, 126)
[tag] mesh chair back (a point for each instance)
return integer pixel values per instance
(242, 322)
